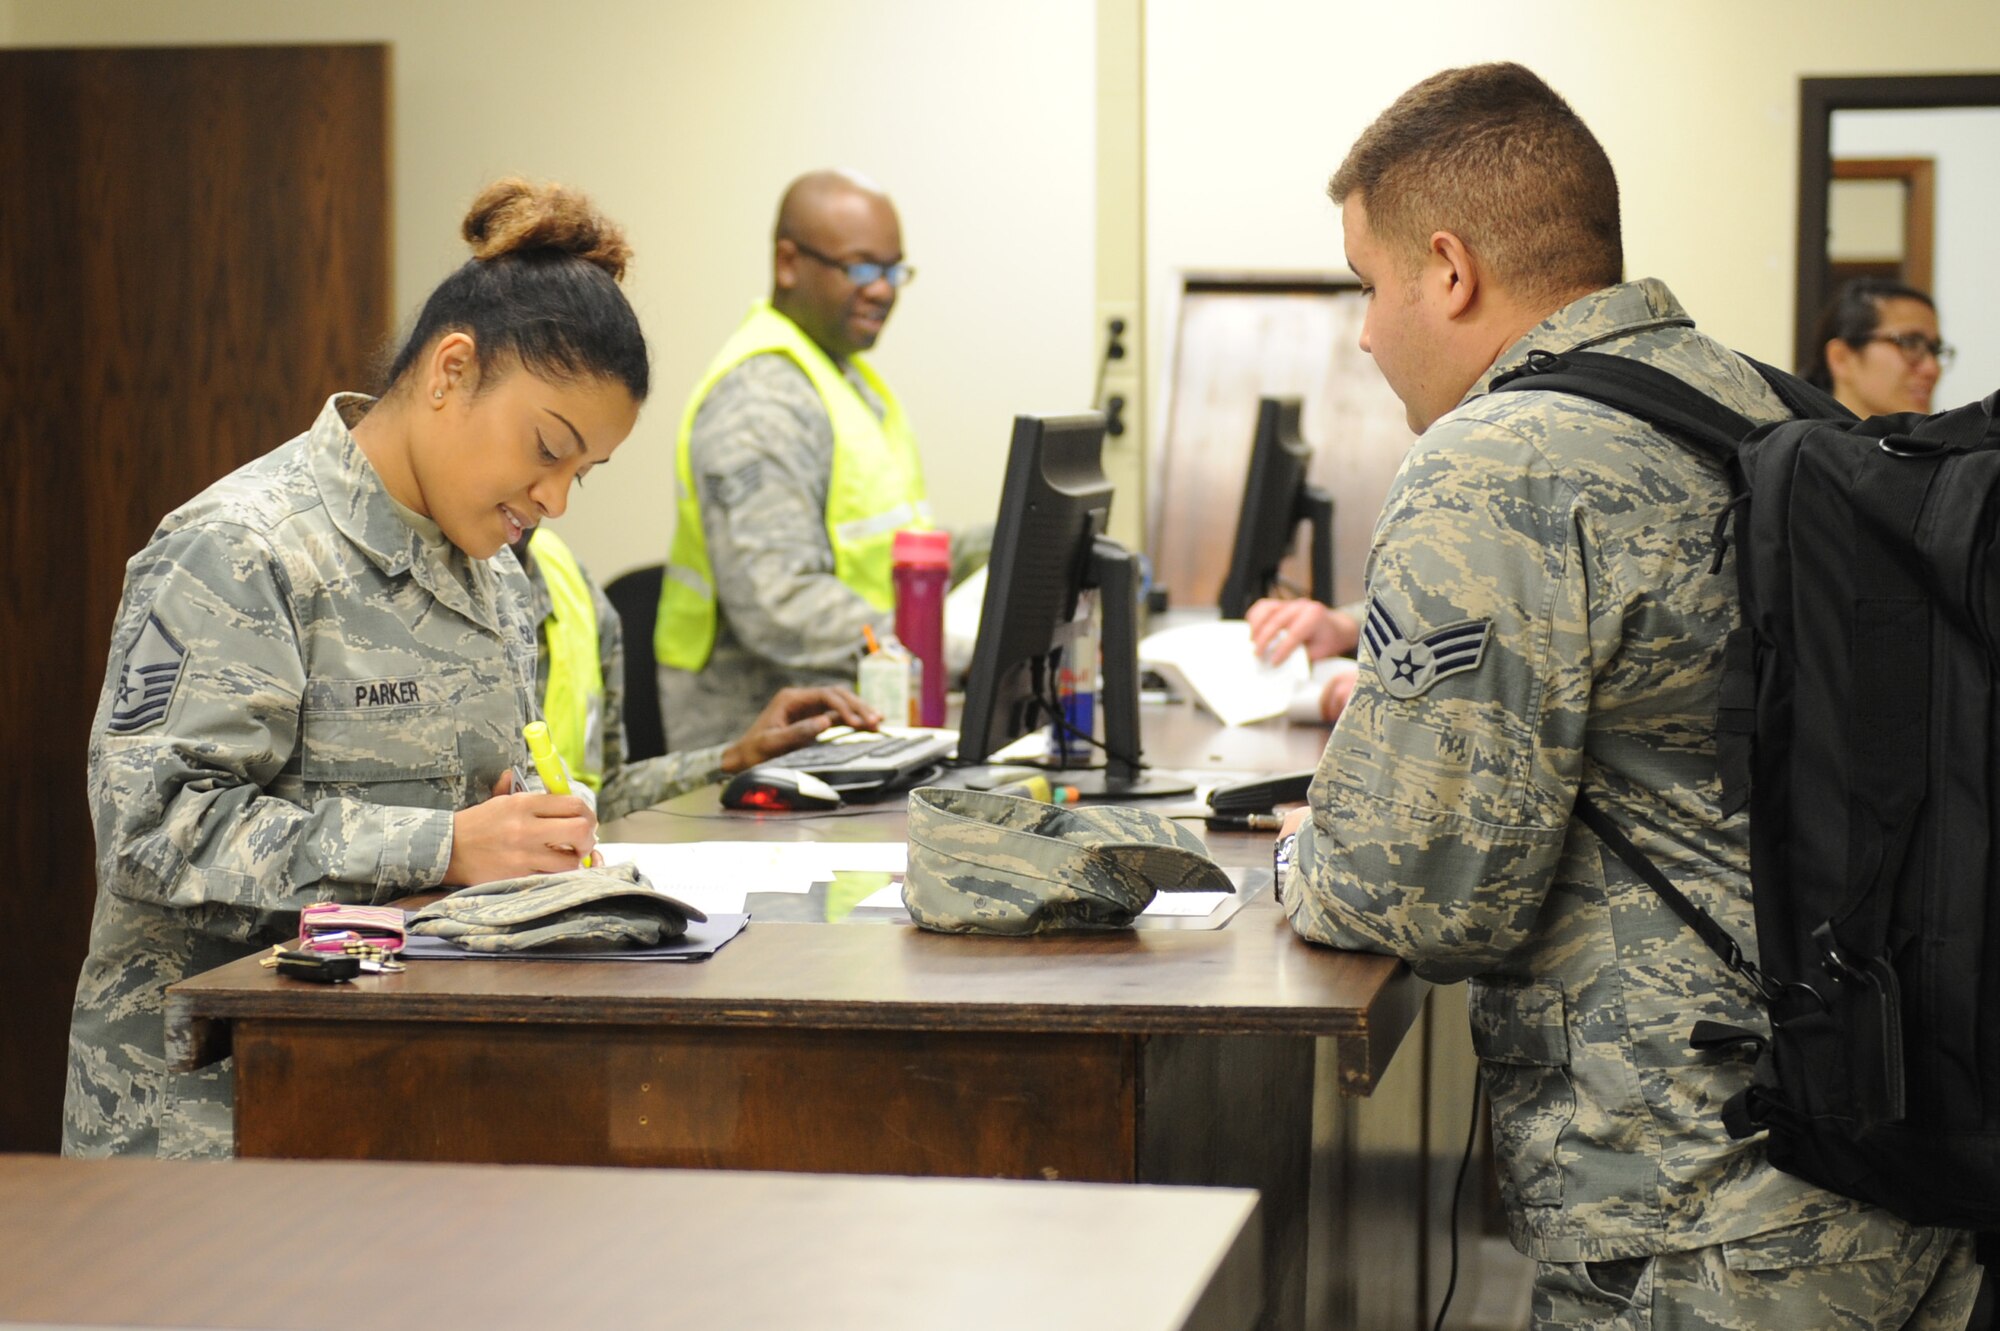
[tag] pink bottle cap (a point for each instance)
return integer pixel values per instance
(922, 549)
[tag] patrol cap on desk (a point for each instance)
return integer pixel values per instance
(998, 864)
(584, 908)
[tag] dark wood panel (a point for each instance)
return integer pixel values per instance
(1368, 1207)
(323, 1247)
(837, 1102)
(1237, 1112)
(194, 253)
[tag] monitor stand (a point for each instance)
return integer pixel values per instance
(1316, 511)
(1115, 573)
(1102, 785)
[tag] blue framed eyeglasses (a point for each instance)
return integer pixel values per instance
(862, 272)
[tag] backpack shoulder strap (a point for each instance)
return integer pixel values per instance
(1719, 939)
(1637, 389)
(1804, 400)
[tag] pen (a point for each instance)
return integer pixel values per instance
(549, 764)
(1244, 822)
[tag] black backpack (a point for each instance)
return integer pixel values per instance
(1860, 721)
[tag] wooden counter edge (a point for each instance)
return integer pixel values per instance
(1387, 1020)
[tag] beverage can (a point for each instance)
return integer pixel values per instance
(1076, 690)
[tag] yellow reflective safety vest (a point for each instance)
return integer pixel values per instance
(876, 487)
(574, 704)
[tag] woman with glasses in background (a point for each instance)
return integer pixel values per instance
(1877, 349)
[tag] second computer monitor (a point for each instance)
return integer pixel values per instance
(1276, 499)
(1049, 548)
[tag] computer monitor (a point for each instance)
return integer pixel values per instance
(1276, 499)
(1049, 548)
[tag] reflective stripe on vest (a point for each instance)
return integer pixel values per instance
(574, 704)
(876, 487)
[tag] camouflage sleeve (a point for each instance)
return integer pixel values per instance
(971, 550)
(647, 782)
(629, 786)
(178, 790)
(761, 453)
(1441, 805)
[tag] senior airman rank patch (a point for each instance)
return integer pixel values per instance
(152, 670)
(1408, 666)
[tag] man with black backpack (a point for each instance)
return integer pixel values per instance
(1546, 625)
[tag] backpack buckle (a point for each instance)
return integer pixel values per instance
(1906, 446)
(1832, 960)
(1539, 361)
(1719, 539)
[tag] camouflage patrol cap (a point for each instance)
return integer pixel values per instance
(998, 864)
(584, 908)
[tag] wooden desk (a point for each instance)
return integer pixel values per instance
(1173, 1056)
(279, 1245)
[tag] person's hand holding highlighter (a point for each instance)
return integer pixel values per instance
(529, 833)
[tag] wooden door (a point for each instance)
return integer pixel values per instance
(194, 253)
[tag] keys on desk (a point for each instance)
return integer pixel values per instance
(331, 967)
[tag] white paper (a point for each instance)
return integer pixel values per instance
(715, 876)
(867, 856)
(886, 898)
(1304, 708)
(1215, 663)
(963, 606)
(1196, 904)
(1031, 747)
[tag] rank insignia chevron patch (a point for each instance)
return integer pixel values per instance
(152, 669)
(1408, 666)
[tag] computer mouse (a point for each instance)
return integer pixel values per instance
(778, 788)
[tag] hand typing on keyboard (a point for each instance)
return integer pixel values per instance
(850, 748)
(796, 717)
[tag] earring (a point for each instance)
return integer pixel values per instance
(438, 394)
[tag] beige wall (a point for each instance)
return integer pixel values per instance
(1251, 106)
(685, 119)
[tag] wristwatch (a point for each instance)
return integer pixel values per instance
(1282, 864)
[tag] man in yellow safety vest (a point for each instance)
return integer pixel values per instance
(794, 468)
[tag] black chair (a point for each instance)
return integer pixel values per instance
(636, 597)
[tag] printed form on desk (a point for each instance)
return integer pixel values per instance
(715, 876)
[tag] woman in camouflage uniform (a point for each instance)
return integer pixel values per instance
(320, 670)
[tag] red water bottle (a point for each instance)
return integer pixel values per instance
(922, 576)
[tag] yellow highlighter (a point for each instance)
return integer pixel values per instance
(555, 777)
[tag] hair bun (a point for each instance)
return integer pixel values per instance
(513, 216)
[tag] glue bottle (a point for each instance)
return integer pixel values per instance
(885, 679)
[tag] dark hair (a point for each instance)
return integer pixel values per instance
(1852, 316)
(541, 287)
(1493, 155)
